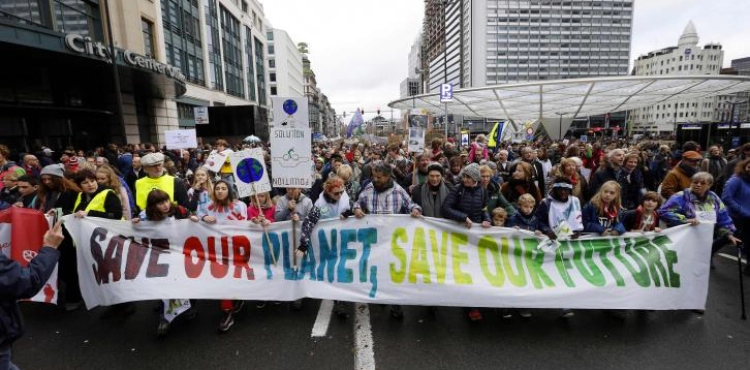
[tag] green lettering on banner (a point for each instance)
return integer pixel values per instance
(439, 254)
(496, 278)
(517, 279)
(670, 257)
(640, 275)
(652, 257)
(460, 258)
(399, 235)
(563, 264)
(603, 251)
(583, 251)
(418, 264)
(534, 260)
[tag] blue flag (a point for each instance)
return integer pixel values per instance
(356, 122)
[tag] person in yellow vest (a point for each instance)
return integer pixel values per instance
(225, 173)
(100, 201)
(157, 178)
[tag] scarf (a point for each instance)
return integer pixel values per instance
(431, 204)
(716, 165)
(688, 169)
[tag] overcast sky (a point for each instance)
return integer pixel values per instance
(359, 48)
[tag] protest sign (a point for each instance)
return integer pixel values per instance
(417, 132)
(181, 139)
(291, 144)
(21, 236)
(215, 160)
(394, 260)
(249, 169)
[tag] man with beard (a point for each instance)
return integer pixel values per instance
(679, 178)
(423, 161)
(714, 165)
(615, 159)
(503, 165)
(383, 196)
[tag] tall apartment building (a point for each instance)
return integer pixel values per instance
(170, 56)
(284, 65)
(687, 58)
(474, 43)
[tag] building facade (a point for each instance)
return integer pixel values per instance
(489, 42)
(742, 100)
(687, 58)
(284, 65)
(62, 88)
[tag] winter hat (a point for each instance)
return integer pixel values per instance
(152, 159)
(436, 167)
(472, 171)
(53, 170)
(73, 162)
(691, 155)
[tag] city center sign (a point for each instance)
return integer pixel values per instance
(84, 45)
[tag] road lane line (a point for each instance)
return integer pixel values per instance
(731, 257)
(324, 318)
(364, 354)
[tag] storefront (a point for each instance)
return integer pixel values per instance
(58, 90)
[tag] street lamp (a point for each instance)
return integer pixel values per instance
(561, 114)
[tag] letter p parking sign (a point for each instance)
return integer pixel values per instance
(446, 93)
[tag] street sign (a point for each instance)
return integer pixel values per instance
(446, 93)
(584, 139)
(201, 115)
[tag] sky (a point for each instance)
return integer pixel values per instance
(359, 49)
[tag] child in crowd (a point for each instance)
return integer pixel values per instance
(261, 209)
(160, 208)
(602, 214)
(499, 217)
(525, 218)
(560, 216)
(645, 217)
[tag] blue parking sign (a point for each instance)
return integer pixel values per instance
(446, 93)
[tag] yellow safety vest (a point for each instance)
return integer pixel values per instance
(96, 204)
(226, 168)
(144, 186)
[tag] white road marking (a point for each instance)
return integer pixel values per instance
(364, 354)
(731, 257)
(324, 318)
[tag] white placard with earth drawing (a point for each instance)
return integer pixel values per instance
(250, 175)
(290, 112)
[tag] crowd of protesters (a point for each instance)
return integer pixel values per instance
(606, 188)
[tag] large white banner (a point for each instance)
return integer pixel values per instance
(391, 259)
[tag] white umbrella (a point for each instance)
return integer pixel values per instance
(252, 139)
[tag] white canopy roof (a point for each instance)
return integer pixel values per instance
(575, 97)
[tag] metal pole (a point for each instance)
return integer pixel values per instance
(560, 126)
(115, 75)
(446, 120)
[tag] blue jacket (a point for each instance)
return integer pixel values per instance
(530, 222)
(736, 193)
(16, 283)
(591, 221)
(682, 206)
(464, 202)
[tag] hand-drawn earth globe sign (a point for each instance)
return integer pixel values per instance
(249, 170)
(290, 106)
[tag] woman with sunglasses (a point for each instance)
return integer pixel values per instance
(333, 203)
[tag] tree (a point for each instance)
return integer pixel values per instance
(302, 47)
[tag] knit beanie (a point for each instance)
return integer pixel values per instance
(472, 171)
(53, 170)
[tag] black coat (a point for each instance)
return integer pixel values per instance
(463, 202)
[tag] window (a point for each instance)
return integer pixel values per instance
(273, 90)
(272, 77)
(244, 6)
(271, 50)
(182, 38)
(269, 35)
(215, 70)
(231, 41)
(249, 71)
(148, 38)
(272, 63)
(185, 111)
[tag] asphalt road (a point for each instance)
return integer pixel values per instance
(276, 337)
